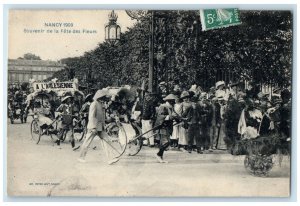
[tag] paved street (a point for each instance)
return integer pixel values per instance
(43, 169)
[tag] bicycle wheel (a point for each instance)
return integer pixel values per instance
(35, 131)
(115, 142)
(135, 146)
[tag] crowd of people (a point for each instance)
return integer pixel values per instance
(188, 120)
(194, 120)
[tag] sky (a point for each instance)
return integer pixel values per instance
(55, 46)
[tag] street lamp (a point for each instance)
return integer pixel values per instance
(145, 14)
(112, 29)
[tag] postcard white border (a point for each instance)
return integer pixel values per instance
(135, 4)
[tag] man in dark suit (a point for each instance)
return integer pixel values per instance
(193, 118)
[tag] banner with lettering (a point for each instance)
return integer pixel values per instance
(56, 86)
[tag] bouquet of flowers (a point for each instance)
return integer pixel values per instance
(250, 133)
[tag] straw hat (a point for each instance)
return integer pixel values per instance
(100, 93)
(170, 97)
(65, 98)
(184, 94)
(220, 83)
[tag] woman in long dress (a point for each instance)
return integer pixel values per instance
(183, 134)
(221, 135)
(176, 129)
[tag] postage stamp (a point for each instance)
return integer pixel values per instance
(218, 18)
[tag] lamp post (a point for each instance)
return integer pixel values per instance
(112, 29)
(145, 14)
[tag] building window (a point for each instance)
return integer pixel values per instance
(34, 76)
(17, 77)
(13, 77)
(20, 77)
(26, 77)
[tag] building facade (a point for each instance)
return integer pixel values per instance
(21, 70)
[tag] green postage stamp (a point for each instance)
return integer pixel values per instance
(218, 18)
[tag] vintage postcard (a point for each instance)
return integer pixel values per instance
(149, 103)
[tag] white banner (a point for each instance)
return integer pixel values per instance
(57, 86)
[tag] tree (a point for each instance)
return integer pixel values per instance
(259, 49)
(30, 56)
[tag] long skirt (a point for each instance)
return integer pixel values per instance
(183, 136)
(176, 132)
(147, 126)
(222, 134)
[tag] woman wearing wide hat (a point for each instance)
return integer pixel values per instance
(220, 120)
(183, 132)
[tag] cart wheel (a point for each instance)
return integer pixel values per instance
(114, 144)
(135, 146)
(258, 165)
(36, 131)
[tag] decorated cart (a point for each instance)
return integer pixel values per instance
(260, 150)
(44, 101)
